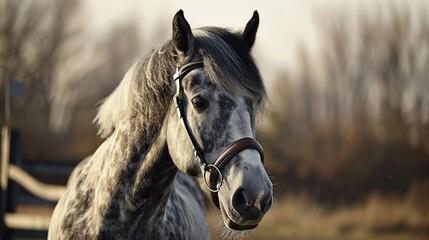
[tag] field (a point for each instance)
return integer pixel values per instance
(377, 218)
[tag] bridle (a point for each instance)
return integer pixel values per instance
(213, 170)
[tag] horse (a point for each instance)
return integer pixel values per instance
(179, 135)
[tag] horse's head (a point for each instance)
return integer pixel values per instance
(218, 94)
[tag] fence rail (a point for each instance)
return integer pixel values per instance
(24, 221)
(42, 190)
(10, 170)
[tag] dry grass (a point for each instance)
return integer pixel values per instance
(379, 217)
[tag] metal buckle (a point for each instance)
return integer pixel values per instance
(218, 185)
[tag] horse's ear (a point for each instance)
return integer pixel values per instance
(249, 32)
(182, 34)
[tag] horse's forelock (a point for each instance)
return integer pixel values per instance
(229, 64)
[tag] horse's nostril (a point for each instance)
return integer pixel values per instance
(267, 204)
(240, 201)
(249, 205)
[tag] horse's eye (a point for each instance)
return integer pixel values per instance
(200, 104)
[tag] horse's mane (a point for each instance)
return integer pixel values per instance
(144, 94)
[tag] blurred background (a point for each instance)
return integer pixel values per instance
(346, 131)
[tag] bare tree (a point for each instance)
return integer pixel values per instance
(34, 36)
(374, 68)
(365, 115)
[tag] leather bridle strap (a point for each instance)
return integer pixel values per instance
(226, 155)
(181, 72)
(214, 170)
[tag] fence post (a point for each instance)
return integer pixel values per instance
(4, 177)
(16, 159)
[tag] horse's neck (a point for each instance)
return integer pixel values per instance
(136, 182)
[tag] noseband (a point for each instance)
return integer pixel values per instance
(212, 170)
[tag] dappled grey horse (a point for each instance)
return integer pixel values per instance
(179, 130)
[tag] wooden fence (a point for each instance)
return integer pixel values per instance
(12, 174)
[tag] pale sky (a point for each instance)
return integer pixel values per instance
(284, 24)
